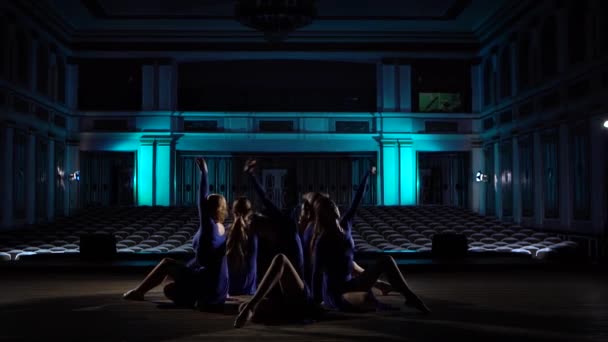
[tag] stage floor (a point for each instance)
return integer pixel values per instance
(512, 305)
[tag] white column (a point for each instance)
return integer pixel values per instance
(517, 204)
(389, 85)
(72, 164)
(476, 88)
(407, 172)
(51, 174)
(145, 172)
(71, 84)
(497, 182)
(478, 189)
(405, 88)
(164, 171)
(539, 209)
(165, 87)
(7, 176)
(148, 87)
(30, 178)
(389, 171)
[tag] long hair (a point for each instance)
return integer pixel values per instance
(238, 236)
(307, 212)
(217, 207)
(327, 216)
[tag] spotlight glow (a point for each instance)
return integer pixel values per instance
(606, 124)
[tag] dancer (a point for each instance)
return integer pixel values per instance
(286, 229)
(203, 281)
(332, 256)
(242, 250)
(306, 226)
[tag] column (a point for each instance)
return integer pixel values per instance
(405, 88)
(7, 176)
(51, 178)
(71, 86)
(145, 172)
(517, 209)
(148, 87)
(30, 178)
(407, 175)
(476, 88)
(388, 87)
(165, 87)
(72, 164)
(478, 190)
(538, 180)
(497, 182)
(565, 202)
(389, 154)
(164, 171)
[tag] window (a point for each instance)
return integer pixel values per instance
(60, 80)
(22, 61)
(523, 61)
(549, 48)
(441, 86)
(577, 32)
(581, 173)
(526, 174)
(505, 73)
(488, 82)
(42, 71)
(550, 152)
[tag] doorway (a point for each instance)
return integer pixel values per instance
(443, 178)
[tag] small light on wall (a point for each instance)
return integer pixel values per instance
(481, 177)
(75, 176)
(606, 124)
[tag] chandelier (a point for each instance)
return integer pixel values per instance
(275, 18)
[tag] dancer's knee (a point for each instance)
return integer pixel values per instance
(280, 259)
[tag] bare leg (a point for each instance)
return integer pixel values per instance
(280, 272)
(153, 279)
(386, 265)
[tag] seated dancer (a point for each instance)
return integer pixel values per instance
(242, 250)
(203, 281)
(282, 295)
(306, 227)
(332, 257)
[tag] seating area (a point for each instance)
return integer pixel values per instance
(375, 229)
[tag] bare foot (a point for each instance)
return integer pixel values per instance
(133, 295)
(417, 303)
(243, 317)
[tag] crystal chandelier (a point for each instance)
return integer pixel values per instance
(275, 18)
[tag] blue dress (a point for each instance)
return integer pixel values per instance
(243, 278)
(332, 264)
(208, 268)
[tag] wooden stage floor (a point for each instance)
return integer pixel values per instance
(510, 305)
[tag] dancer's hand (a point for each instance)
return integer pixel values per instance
(202, 165)
(250, 166)
(373, 171)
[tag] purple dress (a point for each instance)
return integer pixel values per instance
(243, 278)
(333, 256)
(208, 267)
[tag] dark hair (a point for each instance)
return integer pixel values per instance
(326, 215)
(238, 236)
(307, 211)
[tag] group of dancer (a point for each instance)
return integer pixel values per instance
(295, 264)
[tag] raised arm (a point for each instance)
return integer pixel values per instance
(350, 214)
(271, 207)
(203, 192)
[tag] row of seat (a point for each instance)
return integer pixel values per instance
(375, 229)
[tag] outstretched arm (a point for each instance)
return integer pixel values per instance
(203, 191)
(350, 214)
(271, 207)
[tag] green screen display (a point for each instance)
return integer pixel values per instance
(440, 102)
